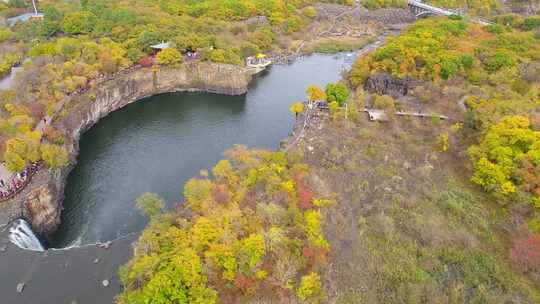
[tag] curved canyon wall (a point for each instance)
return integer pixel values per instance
(41, 202)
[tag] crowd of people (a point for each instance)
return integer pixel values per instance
(18, 181)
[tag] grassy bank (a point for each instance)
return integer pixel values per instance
(336, 45)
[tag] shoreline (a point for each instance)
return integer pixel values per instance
(41, 202)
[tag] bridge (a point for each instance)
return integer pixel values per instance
(421, 9)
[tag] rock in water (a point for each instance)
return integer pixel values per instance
(105, 283)
(20, 287)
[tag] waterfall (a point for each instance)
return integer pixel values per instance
(21, 234)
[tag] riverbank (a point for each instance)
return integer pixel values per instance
(344, 28)
(263, 107)
(40, 202)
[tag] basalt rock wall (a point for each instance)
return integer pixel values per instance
(41, 202)
(385, 84)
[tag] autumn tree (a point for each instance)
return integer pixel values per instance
(297, 108)
(79, 23)
(500, 154)
(150, 204)
(22, 150)
(235, 242)
(310, 288)
(54, 156)
(314, 93)
(442, 142)
(169, 56)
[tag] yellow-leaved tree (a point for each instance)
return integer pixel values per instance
(314, 93)
(169, 56)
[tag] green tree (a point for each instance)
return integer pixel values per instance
(150, 204)
(337, 92)
(79, 23)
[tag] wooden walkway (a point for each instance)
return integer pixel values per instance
(380, 115)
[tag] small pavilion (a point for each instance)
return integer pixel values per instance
(160, 47)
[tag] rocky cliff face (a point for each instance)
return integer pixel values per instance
(385, 84)
(41, 202)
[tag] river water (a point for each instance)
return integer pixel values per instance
(157, 144)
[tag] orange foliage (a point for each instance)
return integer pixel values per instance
(305, 195)
(243, 283)
(220, 194)
(315, 256)
(530, 174)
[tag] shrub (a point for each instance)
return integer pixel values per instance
(146, 61)
(5, 34)
(375, 4)
(383, 102)
(442, 142)
(531, 23)
(467, 60)
(218, 56)
(310, 12)
(169, 56)
(498, 61)
(310, 288)
(495, 29)
(512, 20)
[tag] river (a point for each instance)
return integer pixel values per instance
(157, 144)
(153, 145)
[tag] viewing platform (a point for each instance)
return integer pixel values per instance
(258, 63)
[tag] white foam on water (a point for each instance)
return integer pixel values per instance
(21, 234)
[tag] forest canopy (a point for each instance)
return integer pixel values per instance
(78, 42)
